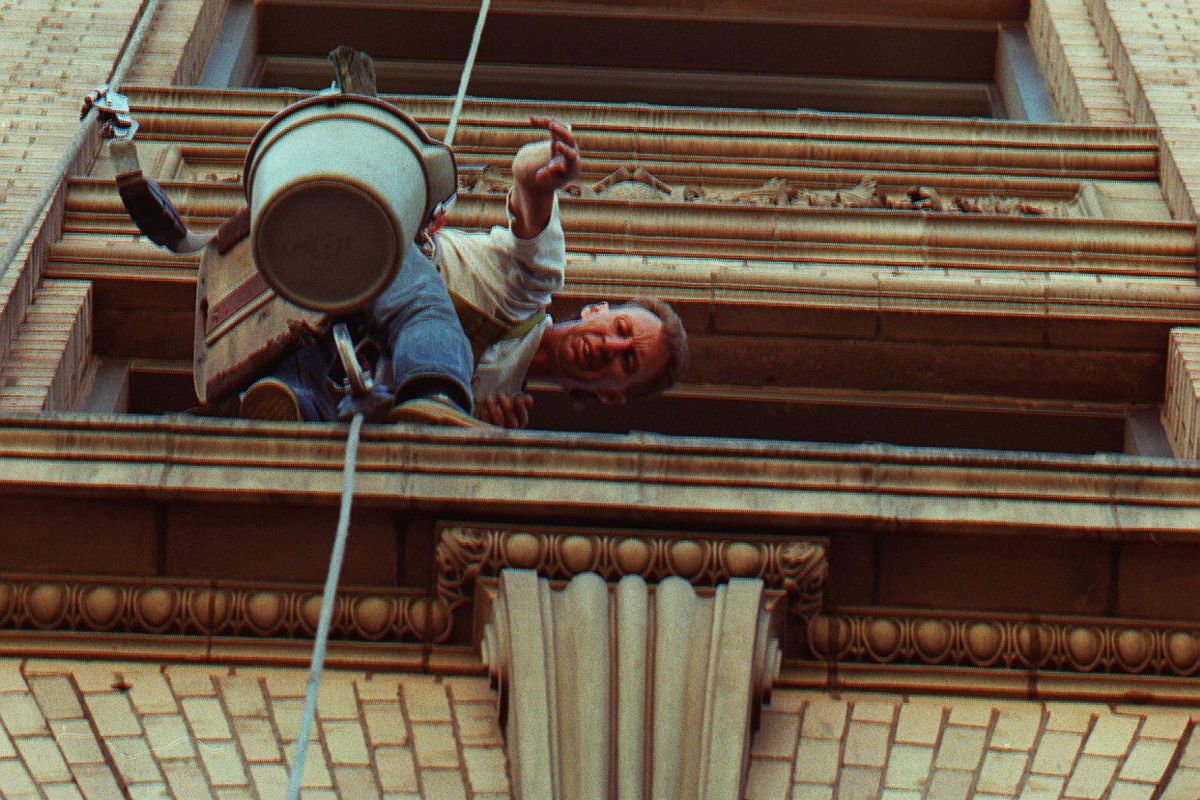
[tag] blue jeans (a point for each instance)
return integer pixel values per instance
(415, 321)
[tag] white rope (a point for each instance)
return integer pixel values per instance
(125, 59)
(327, 601)
(466, 73)
(317, 665)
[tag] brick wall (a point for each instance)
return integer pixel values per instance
(1154, 46)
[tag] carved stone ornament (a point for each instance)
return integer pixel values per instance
(203, 609)
(1069, 645)
(464, 553)
(631, 693)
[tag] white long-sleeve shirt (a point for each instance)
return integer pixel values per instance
(511, 279)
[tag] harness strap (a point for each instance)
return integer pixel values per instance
(483, 330)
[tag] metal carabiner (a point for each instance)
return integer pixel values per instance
(358, 383)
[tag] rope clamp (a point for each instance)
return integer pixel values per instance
(115, 120)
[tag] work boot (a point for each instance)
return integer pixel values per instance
(437, 409)
(270, 399)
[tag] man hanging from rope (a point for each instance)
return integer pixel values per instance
(463, 330)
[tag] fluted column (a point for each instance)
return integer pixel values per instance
(652, 692)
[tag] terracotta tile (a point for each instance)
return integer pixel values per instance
(88, 677)
(1111, 736)
(1132, 791)
(866, 744)
(950, 784)
(6, 746)
(56, 696)
(859, 783)
(1148, 760)
(282, 682)
(112, 714)
(971, 713)
(186, 779)
(15, 778)
(920, 723)
(1001, 772)
(346, 742)
(12, 679)
(270, 780)
(444, 784)
(243, 696)
(1073, 717)
(1017, 727)
(187, 681)
(377, 687)
(1043, 787)
(1191, 753)
(95, 781)
(477, 724)
(824, 719)
(817, 760)
(223, 763)
(768, 780)
(76, 741)
(396, 769)
(150, 692)
(487, 769)
(873, 711)
(68, 791)
(435, 746)
(1056, 753)
(206, 718)
(426, 701)
(1091, 777)
(336, 699)
(1164, 725)
(961, 748)
(355, 782)
(316, 766)
(806, 791)
(287, 714)
(908, 767)
(777, 735)
(1184, 784)
(236, 793)
(470, 690)
(169, 736)
(257, 739)
(21, 715)
(134, 760)
(385, 723)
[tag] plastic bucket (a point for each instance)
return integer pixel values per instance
(338, 187)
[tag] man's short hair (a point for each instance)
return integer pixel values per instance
(674, 338)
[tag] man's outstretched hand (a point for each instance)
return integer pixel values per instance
(506, 412)
(539, 170)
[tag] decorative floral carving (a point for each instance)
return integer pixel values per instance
(1068, 645)
(465, 552)
(632, 181)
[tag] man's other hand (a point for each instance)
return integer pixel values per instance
(504, 411)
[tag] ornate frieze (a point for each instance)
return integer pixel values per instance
(1065, 644)
(203, 609)
(466, 552)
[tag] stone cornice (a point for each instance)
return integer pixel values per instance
(646, 478)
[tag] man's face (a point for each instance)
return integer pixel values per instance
(608, 351)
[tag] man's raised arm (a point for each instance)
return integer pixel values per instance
(539, 170)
